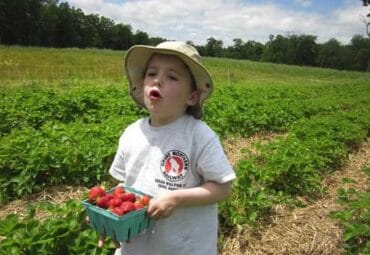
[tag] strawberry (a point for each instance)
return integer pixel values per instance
(119, 190)
(138, 205)
(117, 210)
(109, 196)
(114, 202)
(145, 200)
(129, 197)
(102, 201)
(127, 206)
(96, 192)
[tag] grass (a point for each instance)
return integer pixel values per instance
(19, 65)
(50, 66)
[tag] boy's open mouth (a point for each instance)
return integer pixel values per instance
(154, 94)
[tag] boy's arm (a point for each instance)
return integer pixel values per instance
(208, 193)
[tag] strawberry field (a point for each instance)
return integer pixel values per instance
(64, 131)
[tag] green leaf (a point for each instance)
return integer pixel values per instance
(8, 225)
(355, 230)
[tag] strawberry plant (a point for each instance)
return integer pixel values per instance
(293, 165)
(63, 232)
(355, 217)
(249, 201)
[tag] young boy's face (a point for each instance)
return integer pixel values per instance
(167, 88)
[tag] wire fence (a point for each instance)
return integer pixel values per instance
(21, 73)
(15, 73)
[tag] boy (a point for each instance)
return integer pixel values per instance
(172, 155)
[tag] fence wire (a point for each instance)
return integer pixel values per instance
(21, 72)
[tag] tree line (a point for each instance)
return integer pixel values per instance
(49, 23)
(297, 50)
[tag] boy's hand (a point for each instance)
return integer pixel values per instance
(206, 194)
(102, 240)
(102, 237)
(163, 206)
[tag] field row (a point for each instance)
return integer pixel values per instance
(52, 137)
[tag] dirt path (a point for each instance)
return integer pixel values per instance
(307, 230)
(59, 195)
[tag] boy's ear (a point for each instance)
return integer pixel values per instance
(193, 98)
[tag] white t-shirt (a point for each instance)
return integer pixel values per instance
(183, 154)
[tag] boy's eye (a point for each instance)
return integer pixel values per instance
(172, 77)
(150, 73)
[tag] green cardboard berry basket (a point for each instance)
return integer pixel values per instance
(121, 228)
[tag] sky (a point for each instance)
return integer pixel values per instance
(198, 20)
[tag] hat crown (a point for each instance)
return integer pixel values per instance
(181, 47)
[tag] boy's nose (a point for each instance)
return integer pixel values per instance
(157, 82)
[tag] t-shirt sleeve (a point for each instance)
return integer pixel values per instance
(213, 164)
(117, 169)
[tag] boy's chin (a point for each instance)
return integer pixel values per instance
(153, 108)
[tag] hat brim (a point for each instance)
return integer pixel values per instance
(135, 63)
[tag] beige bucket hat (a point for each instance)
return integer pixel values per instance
(136, 60)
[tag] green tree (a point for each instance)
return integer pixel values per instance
(141, 38)
(123, 37)
(213, 47)
(20, 21)
(329, 54)
(91, 25)
(49, 21)
(66, 30)
(302, 50)
(106, 32)
(276, 49)
(360, 48)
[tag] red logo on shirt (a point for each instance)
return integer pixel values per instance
(174, 165)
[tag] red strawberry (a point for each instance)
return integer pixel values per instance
(119, 190)
(114, 202)
(145, 200)
(102, 201)
(96, 192)
(127, 206)
(138, 205)
(109, 196)
(117, 210)
(129, 197)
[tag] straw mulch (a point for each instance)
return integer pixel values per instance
(59, 195)
(307, 230)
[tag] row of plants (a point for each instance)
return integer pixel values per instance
(32, 107)
(355, 217)
(50, 136)
(294, 165)
(62, 232)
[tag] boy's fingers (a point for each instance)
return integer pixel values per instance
(87, 220)
(101, 241)
(116, 244)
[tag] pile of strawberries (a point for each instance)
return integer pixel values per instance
(119, 202)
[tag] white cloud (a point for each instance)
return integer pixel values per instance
(197, 20)
(303, 3)
(87, 4)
